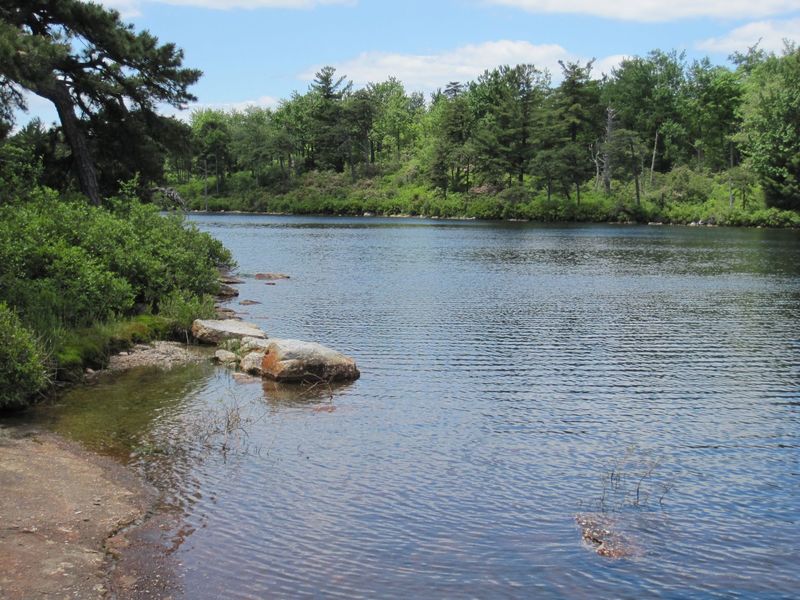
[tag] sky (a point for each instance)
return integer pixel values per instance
(255, 52)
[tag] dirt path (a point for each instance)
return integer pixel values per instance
(58, 507)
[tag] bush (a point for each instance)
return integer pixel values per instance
(77, 276)
(22, 371)
(72, 264)
(180, 309)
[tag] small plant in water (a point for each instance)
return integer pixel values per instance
(225, 426)
(630, 484)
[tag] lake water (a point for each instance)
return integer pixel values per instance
(513, 377)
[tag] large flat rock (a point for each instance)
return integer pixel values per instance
(59, 507)
(216, 331)
(298, 361)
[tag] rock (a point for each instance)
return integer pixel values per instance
(226, 313)
(249, 302)
(225, 357)
(252, 363)
(295, 361)
(215, 331)
(251, 344)
(226, 291)
(229, 279)
(270, 276)
(601, 532)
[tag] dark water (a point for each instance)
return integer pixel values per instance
(508, 370)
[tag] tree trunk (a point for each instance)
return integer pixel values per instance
(58, 94)
(653, 162)
(635, 174)
(730, 180)
(611, 113)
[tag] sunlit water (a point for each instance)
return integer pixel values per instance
(507, 371)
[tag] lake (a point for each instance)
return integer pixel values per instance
(513, 376)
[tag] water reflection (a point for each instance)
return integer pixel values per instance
(282, 395)
(506, 370)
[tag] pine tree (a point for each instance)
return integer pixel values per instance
(86, 61)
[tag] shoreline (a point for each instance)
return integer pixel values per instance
(693, 224)
(75, 522)
(66, 541)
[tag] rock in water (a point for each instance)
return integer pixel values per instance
(214, 332)
(271, 276)
(250, 344)
(296, 361)
(251, 363)
(226, 291)
(224, 357)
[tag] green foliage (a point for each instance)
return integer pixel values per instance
(180, 309)
(103, 78)
(683, 185)
(22, 371)
(83, 264)
(76, 274)
(75, 349)
(771, 128)
(20, 169)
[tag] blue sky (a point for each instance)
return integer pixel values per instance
(258, 51)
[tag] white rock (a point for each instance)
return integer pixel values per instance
(216, 331)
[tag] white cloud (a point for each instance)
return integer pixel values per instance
(133, 8)
(769, 35)
(263, 102)
(658, 10)
(252, 4)
(126, 8)
(430, 71)
(184, 115)
(604, 66)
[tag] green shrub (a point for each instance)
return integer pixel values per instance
(76, 274)
(180, 309)
(22, 371)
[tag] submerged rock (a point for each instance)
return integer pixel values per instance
(602, 533)
(226, 313)
(216, 331)
(296, 361)
(270, 276)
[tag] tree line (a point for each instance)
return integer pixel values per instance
(514, 132)
(513, 129)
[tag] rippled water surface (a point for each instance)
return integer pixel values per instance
(513, 377)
